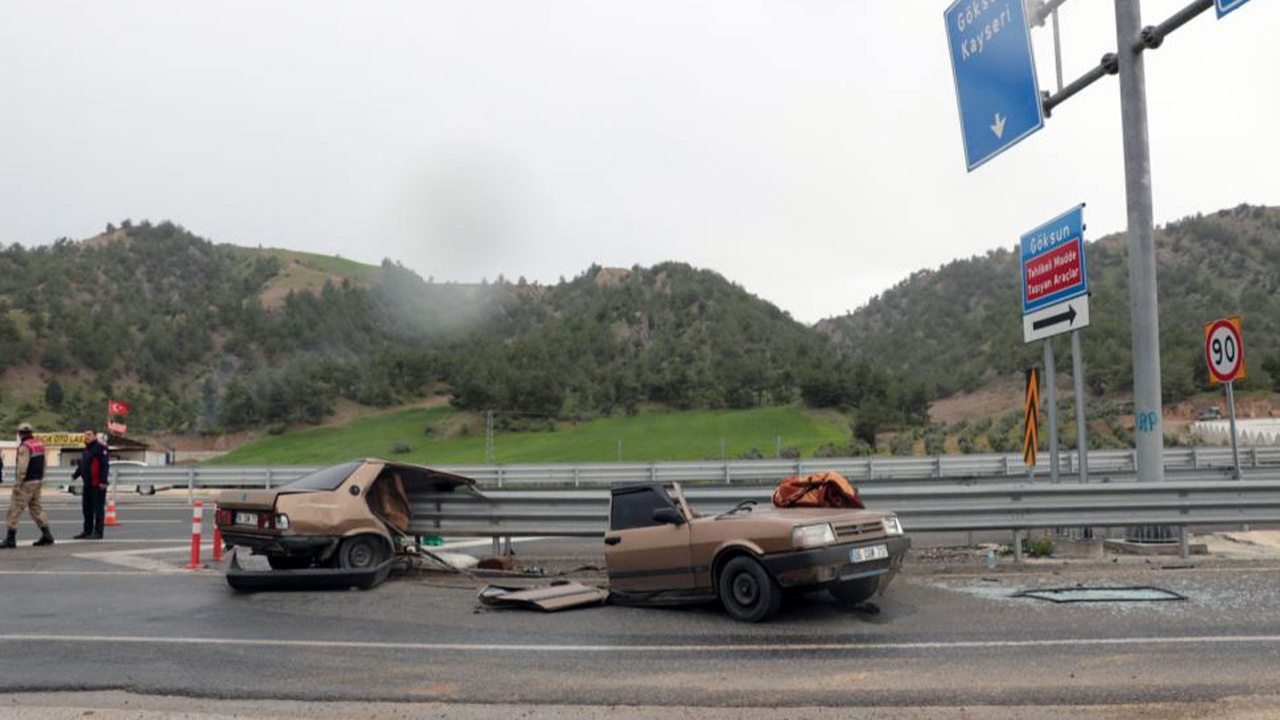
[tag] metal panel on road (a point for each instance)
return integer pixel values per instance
(995, 76)
(1056, 319)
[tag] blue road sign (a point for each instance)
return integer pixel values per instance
(1226, 6)
(1053, 268)
(995, 76)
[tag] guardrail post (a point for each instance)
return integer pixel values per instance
(937, 467)
(1017, 546)
(499, 479)
(653, 472)
(1254, 452)
(1004, 463)
(191, 485)
(577, 477)
(871, 468)
(1184, 543)
(268, 478)
(1195, 458)
(727, 481)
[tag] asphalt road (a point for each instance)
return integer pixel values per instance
(122, 615)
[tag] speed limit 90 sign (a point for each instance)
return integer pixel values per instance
(1224, 350)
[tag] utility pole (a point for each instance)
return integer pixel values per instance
(1147, 409)
(488, 438)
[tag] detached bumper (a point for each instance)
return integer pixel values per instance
(311, 579)
(300, 545)
(819, 566)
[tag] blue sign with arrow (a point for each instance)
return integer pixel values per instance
(1226, 6)
(995, 76)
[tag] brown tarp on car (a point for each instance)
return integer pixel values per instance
(824, 489)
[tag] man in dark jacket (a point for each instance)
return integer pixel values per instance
(94, 469)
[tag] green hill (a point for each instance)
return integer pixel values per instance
(959, 326)
(442, 435)
(202, 338)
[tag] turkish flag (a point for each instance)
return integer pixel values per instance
(115, 407)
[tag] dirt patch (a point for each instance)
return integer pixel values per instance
(992, 400)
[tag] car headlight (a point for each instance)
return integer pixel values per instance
(892, 526)
(811, 535)
(282, 522)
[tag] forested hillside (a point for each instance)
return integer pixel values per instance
(207, 338)
(959, 327)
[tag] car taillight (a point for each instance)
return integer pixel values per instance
(266, 521)
(225, 517)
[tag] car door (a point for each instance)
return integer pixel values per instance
(644, 555)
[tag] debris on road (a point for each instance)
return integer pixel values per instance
(560, 595)
(1081, 594)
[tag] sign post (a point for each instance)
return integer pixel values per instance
(1224, 354)
(995, 76)
(1055, 300)
(1031, 420)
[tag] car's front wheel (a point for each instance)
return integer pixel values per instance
(362, 552)
(747, 591)
(855, 591)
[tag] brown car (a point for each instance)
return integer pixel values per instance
(337, 526)
(659, 550)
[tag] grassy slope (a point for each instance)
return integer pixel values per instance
(656, 436)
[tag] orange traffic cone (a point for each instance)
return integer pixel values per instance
(111, 513)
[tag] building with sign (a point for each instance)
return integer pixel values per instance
(62, 449)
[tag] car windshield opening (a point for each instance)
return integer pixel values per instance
(327, 479)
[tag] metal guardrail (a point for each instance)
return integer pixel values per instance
(863, 470)
(943, 507)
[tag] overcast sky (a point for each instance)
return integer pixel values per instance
(808, 150)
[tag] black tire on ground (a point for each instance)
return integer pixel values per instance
(288, 562)
(747, 591)
(855, 591)
(362, 552)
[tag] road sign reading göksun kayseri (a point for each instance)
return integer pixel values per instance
(1053, 266)
(995, 76)
(1226, 6)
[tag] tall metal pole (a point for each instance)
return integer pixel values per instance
(1077, 376)
(1050, 385)
(1235, 448)
(1144, 314)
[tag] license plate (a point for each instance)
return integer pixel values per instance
(246, 518)
(867, 554)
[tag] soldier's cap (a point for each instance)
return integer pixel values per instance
(26, 427)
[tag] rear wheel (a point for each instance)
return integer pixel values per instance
(288, 562)
(747, 591)
(363, 552)
(855, 591)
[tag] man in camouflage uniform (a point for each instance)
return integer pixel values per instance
(28, 482)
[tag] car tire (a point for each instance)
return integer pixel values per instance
(288, 562)
(747, 591)
(362, 552)
(857, 591)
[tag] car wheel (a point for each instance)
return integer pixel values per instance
(855, 591)
(361, 553)
(747, 591)
(288, 562)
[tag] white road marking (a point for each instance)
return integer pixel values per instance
(646, 649)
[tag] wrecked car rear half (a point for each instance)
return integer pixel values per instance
(341, 524)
